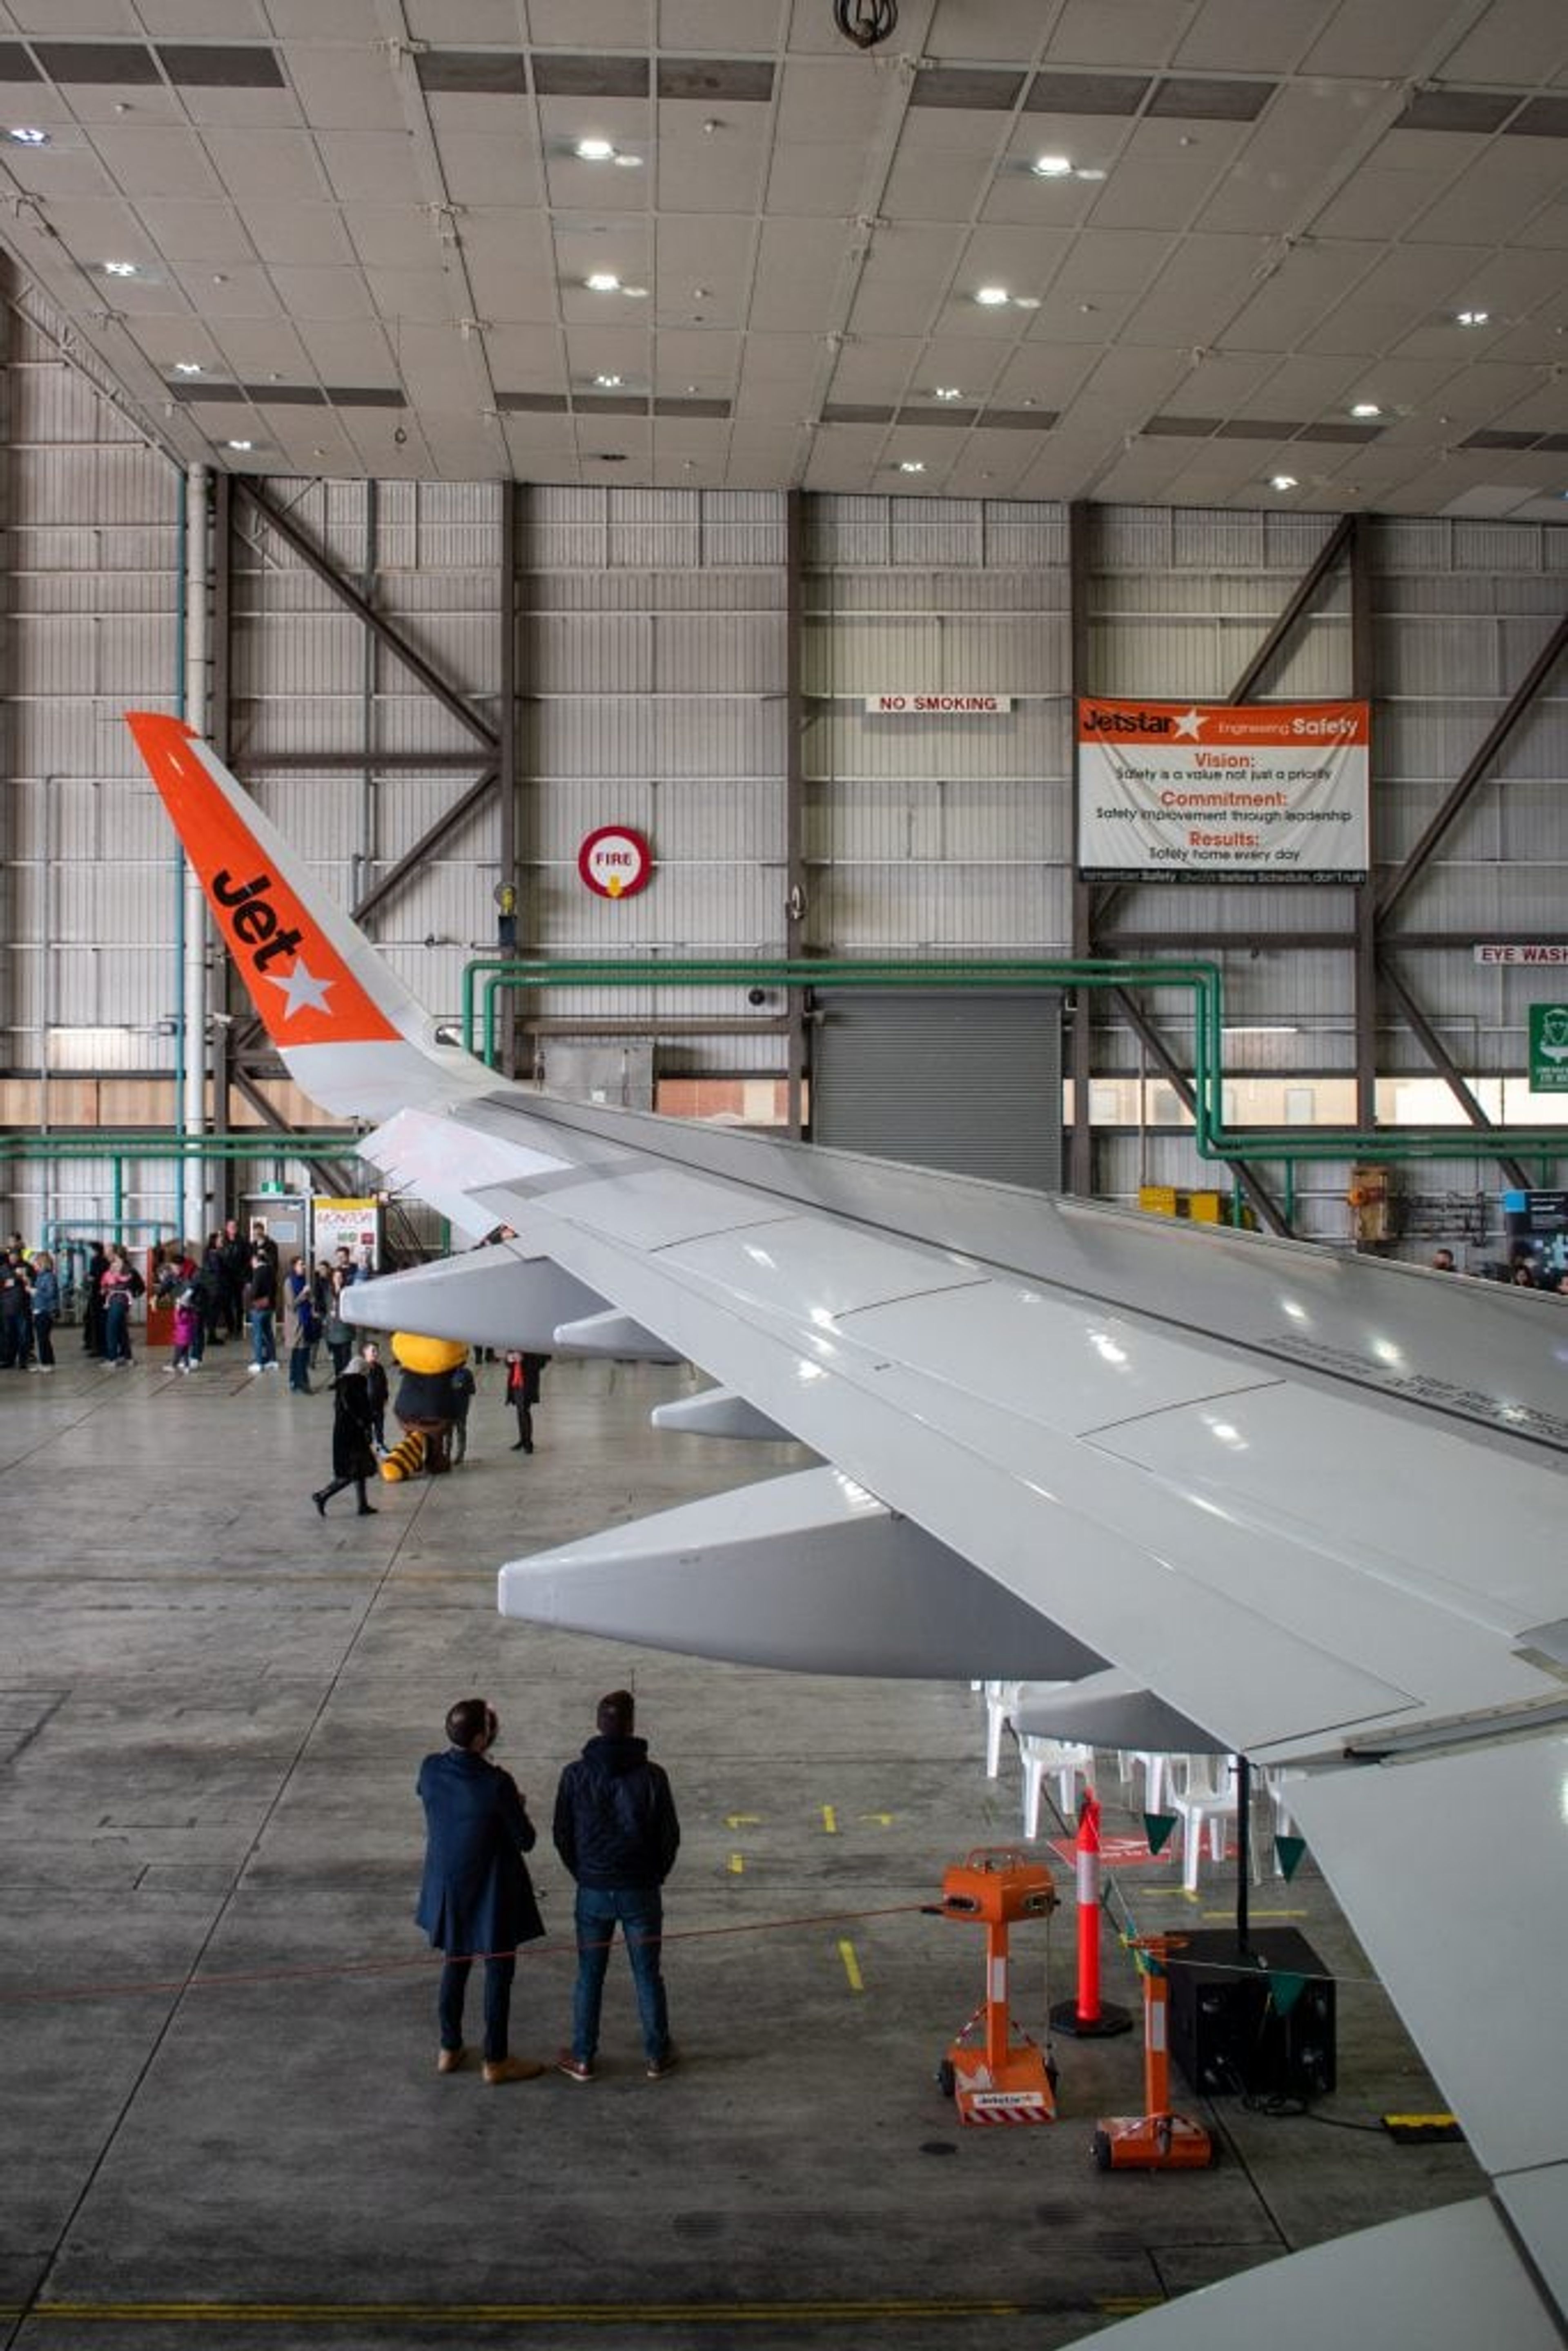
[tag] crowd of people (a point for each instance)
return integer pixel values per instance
(237, 1290)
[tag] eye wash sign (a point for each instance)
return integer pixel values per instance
(1549, 1048)
(1222, 792)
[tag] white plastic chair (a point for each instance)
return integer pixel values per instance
(1043, 1757)
(1205, 1798)
(1002, 1700)
(1276, 1785)
(1155, 1770)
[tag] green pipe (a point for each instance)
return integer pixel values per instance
(98, 1146)
(1211, 1138)
(707, 972)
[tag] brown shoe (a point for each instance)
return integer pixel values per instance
(510, 2069)
(450, 2061)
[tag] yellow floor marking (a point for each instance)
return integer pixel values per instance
(852, 1966)
(742, 1820)
(1256, 1915)
(830, 1820)
(884, 1820)
(736, 1865)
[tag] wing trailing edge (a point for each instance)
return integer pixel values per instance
(808, 1572)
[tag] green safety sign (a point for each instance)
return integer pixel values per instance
(1549, 1048)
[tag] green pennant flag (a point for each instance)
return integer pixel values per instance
(1290, 1850)
(1157, 1827)
(1285, 1992)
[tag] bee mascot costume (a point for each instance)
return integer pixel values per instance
(422, 1404)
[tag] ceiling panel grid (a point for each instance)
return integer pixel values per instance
(308, 247)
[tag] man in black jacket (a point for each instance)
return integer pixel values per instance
(615, 1829)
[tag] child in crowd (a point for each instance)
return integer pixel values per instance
(379, 1389)
(187, 1332)
(461, 1386)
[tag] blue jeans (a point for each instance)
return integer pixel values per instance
(263, 1345)
(640, 1909)
(498, 1974)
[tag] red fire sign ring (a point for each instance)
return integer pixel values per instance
(615, 861)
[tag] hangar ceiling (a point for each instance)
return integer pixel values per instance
(1197, 252)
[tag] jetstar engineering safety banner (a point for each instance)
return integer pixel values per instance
(1222, 792)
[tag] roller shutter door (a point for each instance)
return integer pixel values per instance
(971, 1082)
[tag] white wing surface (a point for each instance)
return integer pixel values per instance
(1310, 1508)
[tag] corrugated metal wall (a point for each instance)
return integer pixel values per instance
(937, 833)
(653, 666)
(655, 661)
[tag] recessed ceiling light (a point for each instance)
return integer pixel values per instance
(992, 298)
(1283, 482)
(241, 446)
(602, 281)
(1471, 317)
(628, 162)
(1026, 301)
(948, 391)
(912, 464)
(595, 151)
(1366, 408)
(187, 367)
(119, 269)
(28, 134)
(635, 293)
(1087, 171)
(607, 382)
(1051, 167)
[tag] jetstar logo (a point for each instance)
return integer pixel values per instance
(254, 924)
(1097, 720)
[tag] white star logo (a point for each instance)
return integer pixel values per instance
(303, 990)
(1187, 723)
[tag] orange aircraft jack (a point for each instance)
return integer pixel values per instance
(1006, 2079)
(1157, 2140)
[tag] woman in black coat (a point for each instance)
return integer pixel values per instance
(354, 1454)
(476, 1898)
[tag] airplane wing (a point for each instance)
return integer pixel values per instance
(1296, 1505)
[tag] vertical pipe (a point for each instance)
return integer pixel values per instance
(195, 699)
(177, 854)
(46, 995)
(1243, 1853)
(368, 696)
(1361, 686)
(218, 728)
(507, 755)
(1080, 1156)
(795, 905)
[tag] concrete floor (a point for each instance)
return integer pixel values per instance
(221, 2118)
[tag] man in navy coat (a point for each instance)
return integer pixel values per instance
(476, 1899)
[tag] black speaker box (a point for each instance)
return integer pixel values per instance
(1228, 2035)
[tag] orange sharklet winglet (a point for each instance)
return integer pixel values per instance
(299, 981)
